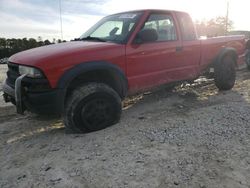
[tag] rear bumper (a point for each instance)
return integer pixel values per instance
(46, 102)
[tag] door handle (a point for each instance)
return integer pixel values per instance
(179, 48)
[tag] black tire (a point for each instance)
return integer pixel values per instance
(248, 60)
(225, 73)
(92, 107)
(170, 87)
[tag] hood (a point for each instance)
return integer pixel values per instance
(58, 52)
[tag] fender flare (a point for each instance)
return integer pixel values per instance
(85, 67)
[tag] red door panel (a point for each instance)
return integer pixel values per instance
(152, 64)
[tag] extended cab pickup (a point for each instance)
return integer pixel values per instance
(85, 80)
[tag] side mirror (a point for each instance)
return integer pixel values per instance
(147, 35)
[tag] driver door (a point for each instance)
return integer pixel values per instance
(154, 63)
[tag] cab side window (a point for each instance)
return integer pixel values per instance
(187, 27)
(164, 26)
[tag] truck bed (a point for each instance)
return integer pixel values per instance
(211, 46)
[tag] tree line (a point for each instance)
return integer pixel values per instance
(215, 27)
(9, 47)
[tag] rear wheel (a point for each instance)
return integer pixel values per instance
(225, 73)
(92, 107)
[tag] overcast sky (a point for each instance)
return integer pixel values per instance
(33, 18)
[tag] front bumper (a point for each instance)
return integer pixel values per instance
(45, 102)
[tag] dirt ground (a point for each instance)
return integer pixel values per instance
(193, 136)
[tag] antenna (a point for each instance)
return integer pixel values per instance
(60, 9)
(227, 15)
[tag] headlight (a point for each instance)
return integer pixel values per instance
(30, 72)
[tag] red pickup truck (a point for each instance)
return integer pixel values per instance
(85, 80)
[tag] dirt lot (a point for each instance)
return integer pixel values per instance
(193, 136)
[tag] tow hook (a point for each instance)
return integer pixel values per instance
(18, 95)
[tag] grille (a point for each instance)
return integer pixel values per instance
(12, 74)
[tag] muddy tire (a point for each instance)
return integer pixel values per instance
(248, 60)
(225, 73)
(170, 87)
(91, 107)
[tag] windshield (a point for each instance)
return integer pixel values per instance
(114, 28)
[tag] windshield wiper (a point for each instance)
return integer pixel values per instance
(93, 38)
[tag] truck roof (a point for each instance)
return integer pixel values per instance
(152, 10)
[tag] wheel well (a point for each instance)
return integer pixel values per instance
(99, 76)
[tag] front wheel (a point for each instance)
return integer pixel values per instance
(225, 73)
(92, 107)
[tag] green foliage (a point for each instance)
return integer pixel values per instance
(9, 47)
(214, 27)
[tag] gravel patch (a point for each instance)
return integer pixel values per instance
(193, 136)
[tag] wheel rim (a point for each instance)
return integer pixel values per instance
(96, 113)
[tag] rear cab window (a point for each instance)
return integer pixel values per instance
(187, 27)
